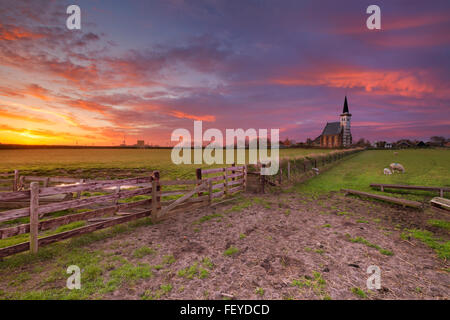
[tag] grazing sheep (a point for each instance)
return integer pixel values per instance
(387, 171)
(397, 167)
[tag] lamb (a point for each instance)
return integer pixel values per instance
(397, 167)
(387, 171)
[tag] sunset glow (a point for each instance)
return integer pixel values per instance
(142, 69)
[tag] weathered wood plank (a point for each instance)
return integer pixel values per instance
(177, 182)
(214, 170)
(396, 186)
(232, 183)
(235, 189)
(235, 175)
(403, 202)
(34, 217)
(182, 199)
(71, 204)
(72, 233)
(235, 168)
(441, 202)
(59, 221)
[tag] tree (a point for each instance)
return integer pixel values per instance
(437, 140)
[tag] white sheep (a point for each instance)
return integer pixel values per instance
(387, 171)
(397, 167)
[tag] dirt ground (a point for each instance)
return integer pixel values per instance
(283, 246)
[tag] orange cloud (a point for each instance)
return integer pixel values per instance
(16, 33)
(182, 115)
(401, 83)
(18, 116)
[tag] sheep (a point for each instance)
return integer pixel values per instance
(387, 171)
(316, 170)
(397, 167)
(395, 153)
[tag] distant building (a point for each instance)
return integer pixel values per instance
(338, 134)
(140, 144)
(388, 145)
(421, 144)
(403, 144)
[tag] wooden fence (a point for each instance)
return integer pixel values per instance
(118, 205)
(290, 169)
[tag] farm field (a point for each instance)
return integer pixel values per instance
(50, 161)
(427, 167)
(280, 246)
(303, 241)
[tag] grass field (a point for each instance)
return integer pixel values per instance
(427, 167)
(152, 159)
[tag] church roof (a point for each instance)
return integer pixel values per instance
(332, 128)
(345, 106)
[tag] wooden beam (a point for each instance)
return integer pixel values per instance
(72, 233)
(16, 181)
(411, 187)
(34, 216)
(403, 202)
(181, 200)
(71, 204)
(441, 203)
(59, 221)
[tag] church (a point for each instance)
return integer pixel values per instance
(338, 134)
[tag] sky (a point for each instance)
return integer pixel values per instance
(137, 70)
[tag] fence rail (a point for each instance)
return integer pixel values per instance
(115, 207)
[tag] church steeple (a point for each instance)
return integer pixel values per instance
(345, 125)
(345, 106)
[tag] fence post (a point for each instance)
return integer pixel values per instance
(154, 201)
(210, 191)
(21, 183)
(158, 189)
(280, 176)
(16, 180)
(46, 182)
(198, 173)
(233, 172)
(289, 171)
(34, 217)
(244, 185)
(225, 187)
(263, 178)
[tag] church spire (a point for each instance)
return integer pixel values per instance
(345, 106)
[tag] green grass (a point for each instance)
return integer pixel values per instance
(193, 271)
(259, 291)
(428, 167)
(143, 251)
(316, 282)
(442, 248)
(44, 160)
(231, 251)
(440, 224)
(371, 245)
(358, 292)
(208, 217)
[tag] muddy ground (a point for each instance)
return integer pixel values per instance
(283, 246)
